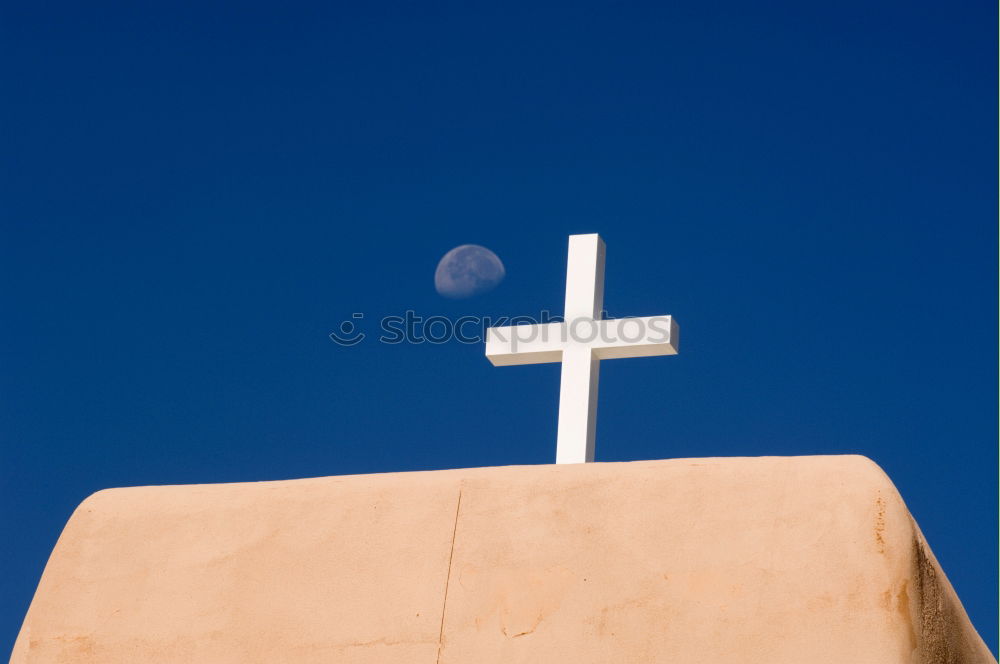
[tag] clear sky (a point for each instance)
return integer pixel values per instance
(195, 195)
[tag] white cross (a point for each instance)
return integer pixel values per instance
(580, 342)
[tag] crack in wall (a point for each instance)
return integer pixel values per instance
(447, 579)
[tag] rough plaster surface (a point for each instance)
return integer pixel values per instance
(772, 560)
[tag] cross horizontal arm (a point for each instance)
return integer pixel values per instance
(607, 339)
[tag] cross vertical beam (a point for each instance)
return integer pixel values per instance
(577, 406)
(580, 369)
(584, 278)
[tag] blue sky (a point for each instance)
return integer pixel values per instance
(194, 196)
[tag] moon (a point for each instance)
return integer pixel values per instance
(468, 270)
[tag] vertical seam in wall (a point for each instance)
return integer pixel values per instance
(447, 579)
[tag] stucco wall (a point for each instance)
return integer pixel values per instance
(776, 560)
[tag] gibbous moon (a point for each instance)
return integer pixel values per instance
(468, 270)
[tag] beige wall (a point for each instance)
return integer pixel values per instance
(776, 560)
